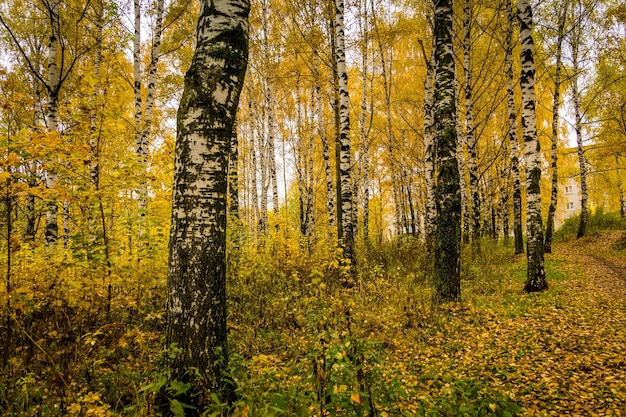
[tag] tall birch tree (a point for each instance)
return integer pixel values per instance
(345, 155)
(446, 272)
(556, 104)
(536, 276)
(196, 288)
(514, 142)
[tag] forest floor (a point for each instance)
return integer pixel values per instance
(303, 346)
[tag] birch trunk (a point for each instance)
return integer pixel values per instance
(536, 276)
(446, 272)
(470, 133)
(514, 142)
(143, 120)
(196, 290)
(620, 187)
(253, 169)
(578, 127)
(556, 103)
(321, 128)
(345, 157)
(430, 151)
(141, 191)
(233, 176)
(52, 118)
(363, 130)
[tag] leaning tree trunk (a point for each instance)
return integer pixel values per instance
(345, 156)
(536, 276)
(446, 273)
(514, 142)
(196, 289)
(547, 246)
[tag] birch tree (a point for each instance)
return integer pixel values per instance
(470, 131)
(536, 276)
(556, 104)
(446, 273)
(345, 156)
(196, 289)
(576, 45)
(514, 142)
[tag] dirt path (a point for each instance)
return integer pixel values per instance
(598, 258)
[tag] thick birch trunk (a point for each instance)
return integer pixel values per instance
(196, 291)
(514, 142)
(536, 276)
(446, 272)
(555, 127)
(345, 156)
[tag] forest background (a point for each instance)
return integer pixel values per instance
(90, 93)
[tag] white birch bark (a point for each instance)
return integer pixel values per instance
(345, 156)
(196, 290)
(536, 276)
(141, 197)
(576, 40)
(620, 187)
(430, 225)
(447, 260)
(52, 118)
(321, 128)
(363, 130)
(556, 104)
(470, 131)
(513, 140)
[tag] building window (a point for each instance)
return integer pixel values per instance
(568, 190)
(570, 205)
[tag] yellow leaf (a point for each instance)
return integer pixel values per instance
(356, 398)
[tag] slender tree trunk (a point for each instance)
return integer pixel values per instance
(578, 127)
(462, 163)
(255, 221)
(141, 191)
(446, 273)
(363, 129)
(536, 276)
(196, 290)
(345, 156)
(470, 134)
(233, 175)
(620, 187)
(321, 128)
(547, 246)
(52, 118)
(514, 142)
(430, 151)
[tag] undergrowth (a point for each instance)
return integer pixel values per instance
(302, 344)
